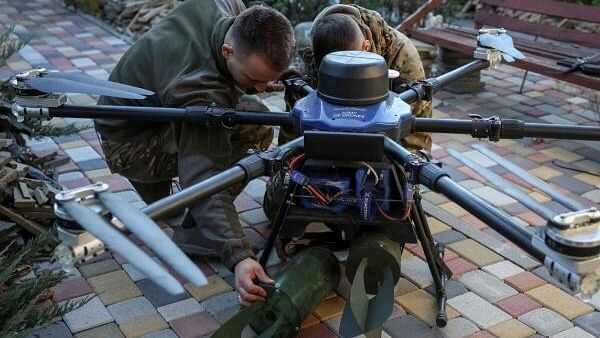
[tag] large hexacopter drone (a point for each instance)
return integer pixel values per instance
(346, 170)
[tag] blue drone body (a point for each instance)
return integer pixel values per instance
(314, 113)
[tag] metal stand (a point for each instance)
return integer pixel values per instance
(282, 212)
(438, 268)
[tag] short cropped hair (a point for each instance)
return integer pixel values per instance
(264, 31)
(333, 33)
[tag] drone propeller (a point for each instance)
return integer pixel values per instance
(53, 85)
(88, 79)
(53, 82)
(498, 39)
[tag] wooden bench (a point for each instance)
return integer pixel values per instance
(542, 44)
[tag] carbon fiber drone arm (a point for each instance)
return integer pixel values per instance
(436, 179)
(246, 169)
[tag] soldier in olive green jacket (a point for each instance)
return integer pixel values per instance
(204, 52)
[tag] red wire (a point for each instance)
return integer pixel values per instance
(390, 218)
(294, 162)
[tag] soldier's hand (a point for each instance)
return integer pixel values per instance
(246, 272)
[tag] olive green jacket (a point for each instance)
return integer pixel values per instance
(180, 60)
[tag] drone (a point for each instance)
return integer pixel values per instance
(347, 170)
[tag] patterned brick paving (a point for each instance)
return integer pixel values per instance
(490, 295)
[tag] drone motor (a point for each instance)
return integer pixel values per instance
(575, 234)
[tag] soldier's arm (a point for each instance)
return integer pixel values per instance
(202, 153)
(407, 62)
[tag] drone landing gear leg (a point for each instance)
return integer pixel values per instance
(439, 270)
(282, 211)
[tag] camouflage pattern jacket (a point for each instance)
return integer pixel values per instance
(180, 60)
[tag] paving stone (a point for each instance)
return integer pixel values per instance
(91, 314)
(524, 281)
(590, 322)
(57, 329)
(435, 198)
(437, 226)
(114, 287)
(254, 217)
(408, 326)
(216, 285)
(70, 288)
(82, 154)
(546, 321)
(97, 173)
(593, 196)
(423, 306)
(166, 333)
(329, 308)
(483, 334)
(196, 325)
(319, 330)
(511, 328)
(418, 251)
(92, 164)
(244, 203)
(571, 184)
(131, 309)
(417, 271)
(453, 289)
(561, 154)
(447, 237)
(587, 178)
(70, 176)
(180, 309)
(256, 189)
(99, 268)
(493, 196)
(487, 286)
(404, 286)
(545, 173)
(539, 197)
(309, 321)
(518, 304)
(477, 310)
(110, 330)
(574, 332)
(503, 269)
(454, 209)
(559, 301)
(144, 325)
(73, 144)
(458, 328)
(223, 306)
(475, 252)
(157, 295)
(459, 266)
(133, 272)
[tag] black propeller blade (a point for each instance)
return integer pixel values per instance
(88, 79)
(59, 85)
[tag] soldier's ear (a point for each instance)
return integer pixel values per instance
(226, 50)
(366, 46)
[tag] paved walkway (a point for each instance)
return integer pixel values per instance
(495, 291)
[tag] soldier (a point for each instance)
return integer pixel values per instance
(204, 52)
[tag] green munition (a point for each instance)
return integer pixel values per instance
(380, 252)
(373, 267)
(302, 284)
